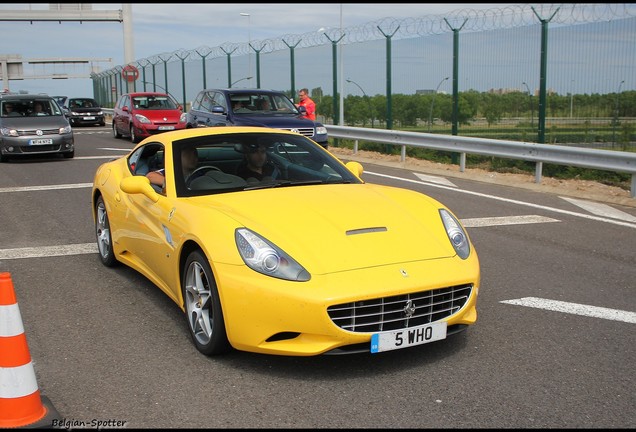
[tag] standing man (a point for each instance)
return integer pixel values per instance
(309, 104)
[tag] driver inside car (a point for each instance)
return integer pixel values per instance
(189, 161)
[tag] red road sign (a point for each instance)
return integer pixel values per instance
(130, 73)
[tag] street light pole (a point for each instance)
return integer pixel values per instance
(366, 97)
(531, 106)
(571, 98)
(616, 114)
(249, 40)
(430, 114)
(238, 81)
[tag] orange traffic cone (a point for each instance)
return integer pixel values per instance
(20, 401)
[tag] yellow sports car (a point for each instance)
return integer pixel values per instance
(270, 244)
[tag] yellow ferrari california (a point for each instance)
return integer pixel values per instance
(272, 245)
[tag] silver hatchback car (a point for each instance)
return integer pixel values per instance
(33, 124)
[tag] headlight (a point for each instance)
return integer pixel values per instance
(183, 118)
(264, 257)
(65, 130)
(142, 119)
(9, 132)
(456, 234)
(321, 130)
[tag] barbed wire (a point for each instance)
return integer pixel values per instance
(469, 20)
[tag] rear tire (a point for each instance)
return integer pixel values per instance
(203, 306)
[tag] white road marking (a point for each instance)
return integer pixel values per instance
(435, 179)
(601, 209)
(115, 149)
(48, 251)
(522, 203)
(95, 157)
(575, 309)
(46, 187)
(506, 220)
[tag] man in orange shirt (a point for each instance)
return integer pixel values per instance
(309, 104)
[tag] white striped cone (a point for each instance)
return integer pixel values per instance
(20, 401)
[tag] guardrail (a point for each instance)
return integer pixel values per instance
(605, 160)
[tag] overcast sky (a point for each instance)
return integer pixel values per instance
(160, 28)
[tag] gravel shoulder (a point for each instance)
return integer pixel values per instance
(583, 189)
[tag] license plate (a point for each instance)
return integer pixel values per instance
(41, 141)
(89, 118)
(166, 127)
(398, 339)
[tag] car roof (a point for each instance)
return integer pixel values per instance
(136, 94)
(22, 96)
(245, 90)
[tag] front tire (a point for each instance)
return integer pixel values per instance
(116, 133)
(134, 138)
(203, 306)
(102, 232)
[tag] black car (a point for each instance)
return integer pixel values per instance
(83, 111)
(252, 107)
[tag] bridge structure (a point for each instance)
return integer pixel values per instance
(14, 67)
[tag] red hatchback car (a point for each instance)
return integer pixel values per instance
(139, 115)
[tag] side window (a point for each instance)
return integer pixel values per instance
(133, 161)
(197, 104)
(145, 159)
(219, 99)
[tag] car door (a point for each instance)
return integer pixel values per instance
(150, 237)
(210, 110)
(119, 115)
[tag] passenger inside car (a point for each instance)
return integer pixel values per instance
(256, 165)
(38, 109)
(9, 110)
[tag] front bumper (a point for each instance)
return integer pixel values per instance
(273, 316)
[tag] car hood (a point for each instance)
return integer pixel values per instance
(32, 123)
(276, 121)
(332, 228)
(160, 116)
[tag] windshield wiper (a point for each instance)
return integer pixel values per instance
(282, 183)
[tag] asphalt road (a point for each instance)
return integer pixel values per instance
(553, 347)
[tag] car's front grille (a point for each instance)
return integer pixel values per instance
(34, 132)
(402, 311)
(40, 148)
(308, 132)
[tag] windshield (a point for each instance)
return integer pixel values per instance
(83, 103)
(154, 103)
(248, 161)
(29, 107)
(261, 103)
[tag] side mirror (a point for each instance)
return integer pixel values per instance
(139, 185)
(356, 168)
